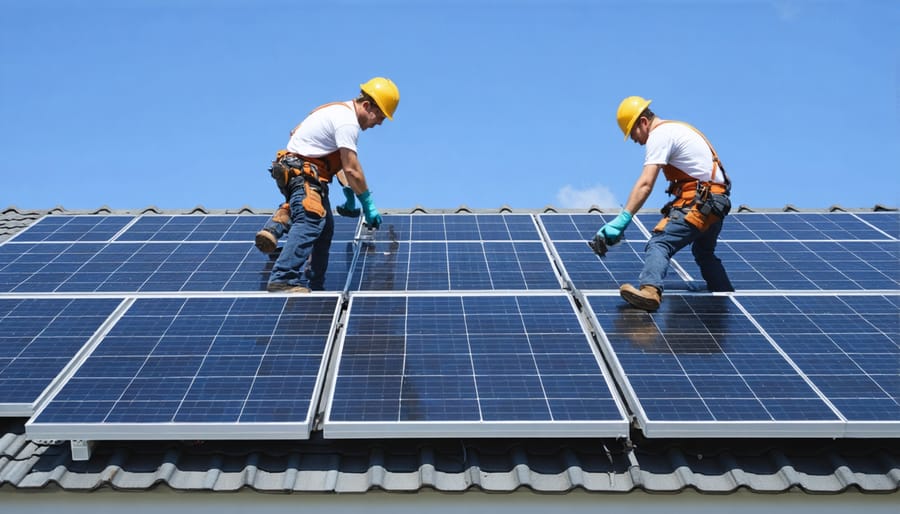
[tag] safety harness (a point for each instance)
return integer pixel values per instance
(288, 165)
(708, 201)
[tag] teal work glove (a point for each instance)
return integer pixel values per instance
(373, 217)
(348, 208)
(612, 231)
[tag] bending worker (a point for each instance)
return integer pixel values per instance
(322, 145)
(701, 192)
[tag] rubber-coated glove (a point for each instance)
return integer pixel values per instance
(373, 217)
(612, 231)
(348, 208)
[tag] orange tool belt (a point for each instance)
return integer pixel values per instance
(309, 168)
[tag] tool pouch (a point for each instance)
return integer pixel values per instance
(282, 175)
(312, 201)
(709, 208)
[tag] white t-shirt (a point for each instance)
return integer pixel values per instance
(325, 130)
(680, 146)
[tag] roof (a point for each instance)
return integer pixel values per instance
(407, 465)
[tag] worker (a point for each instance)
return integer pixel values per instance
(700, 188)
(320, 146)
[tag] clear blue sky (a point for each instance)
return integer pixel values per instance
(179, 103)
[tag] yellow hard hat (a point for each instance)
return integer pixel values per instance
(385, 94)
(629, 111)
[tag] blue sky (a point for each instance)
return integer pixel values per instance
(180, 103)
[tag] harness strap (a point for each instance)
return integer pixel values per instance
(717, 163)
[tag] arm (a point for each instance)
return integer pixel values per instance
(348, 208)
(356, 179)
(611, 232)
(353, 171)
(642, 188)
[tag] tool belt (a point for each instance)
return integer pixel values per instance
(287, 166)
(702, 205)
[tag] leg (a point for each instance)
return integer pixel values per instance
(305, 230)
(677, 234)
(318, 261)
(659, 251)
(711, 268)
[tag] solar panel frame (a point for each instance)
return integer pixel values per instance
(381, 384)
(155, 391)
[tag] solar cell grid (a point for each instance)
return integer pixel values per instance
(457, 227)
(841, 343)
(488, 365)
(453, 266)
(73, 228)
(197, 363)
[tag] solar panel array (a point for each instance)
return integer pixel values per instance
(487, 325)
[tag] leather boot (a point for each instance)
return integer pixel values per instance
(266, 241)
(647, 298)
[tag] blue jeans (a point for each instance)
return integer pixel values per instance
(304, 258)
(677, 234)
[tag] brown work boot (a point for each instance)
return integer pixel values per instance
(283, 287)
(266, 241)
(647, 298)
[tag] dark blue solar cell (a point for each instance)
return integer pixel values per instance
(515, 409)
(272, 411)
(209, 411)
(807, 409)
(676, 409)
(282, 387)
(151, 389)
(511, 386)
(736, 409)
(868, 409)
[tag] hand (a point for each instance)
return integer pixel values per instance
(612, 231)
(373, 217)
(348, 208)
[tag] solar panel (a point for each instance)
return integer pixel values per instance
(206, 367)
(700, 367)
(848, 347)
(470, 365)
(73, 228)
(431, 253)
(38, 339)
